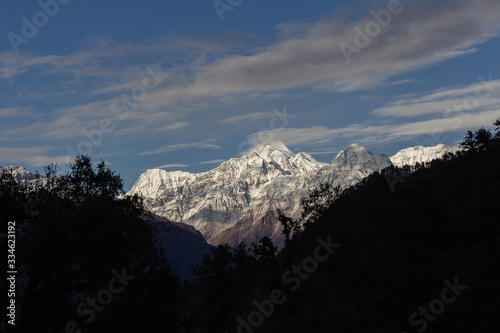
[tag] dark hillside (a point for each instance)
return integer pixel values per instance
(397, 249)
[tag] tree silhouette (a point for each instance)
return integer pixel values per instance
(317, 202)
(480, 140)
(73, 233)
(87, 183)
(222, 275)
(265, 250)
(288, 224)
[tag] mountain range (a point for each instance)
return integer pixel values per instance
(238, 200)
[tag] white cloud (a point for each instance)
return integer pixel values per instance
(320, 137)
(16, 112)
(214, 70)
(212, 162)
(174, 126)
(308, 54)
(173, 165)
(485, 95)
(422, 35)
(130, 130)
(254, 116)
(32, 156)
(181, 146)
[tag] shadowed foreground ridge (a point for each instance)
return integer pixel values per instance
(440, 223)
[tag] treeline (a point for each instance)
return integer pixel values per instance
(376, 259)
(86, 261)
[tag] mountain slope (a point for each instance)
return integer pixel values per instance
(182, 244)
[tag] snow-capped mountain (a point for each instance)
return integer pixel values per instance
(413, 155)
(238, 200)
(19, 173)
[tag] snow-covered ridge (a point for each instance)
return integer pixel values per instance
(413, 155)
(238, 200)
(19, 173)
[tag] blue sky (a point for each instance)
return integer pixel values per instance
(145, 84)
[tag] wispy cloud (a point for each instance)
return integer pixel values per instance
(254, 116)
(320, 137)
(16, 112)
(228, 68)
(130, 130)
(32, 156)
(211, 162)
(181, 146)
(307, 55)
(174, 126)
(420, 36)
(484, 95)
(65, 123)
(173, 165)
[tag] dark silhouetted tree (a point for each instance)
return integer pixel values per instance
(288, 225)
(74, 231)
(317, 202)
(480, 140)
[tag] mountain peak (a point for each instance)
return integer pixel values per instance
(268, 150)
(355, 156)
(352, 152)
(357, 148)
